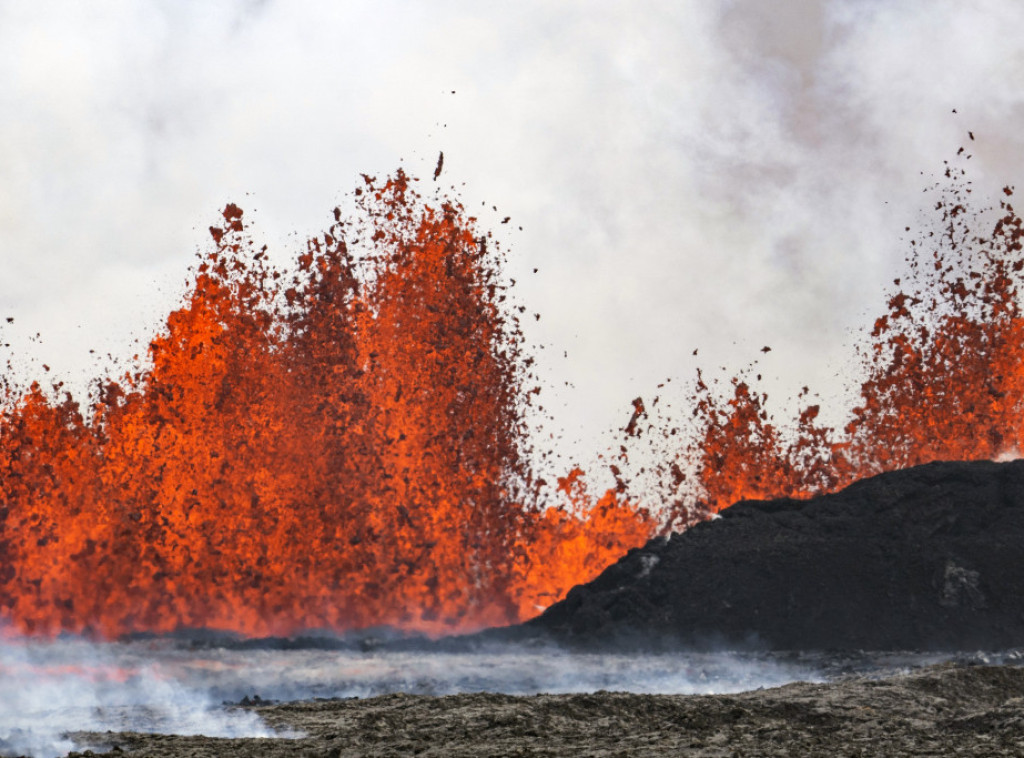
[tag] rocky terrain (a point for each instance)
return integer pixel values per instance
(923, 558)
(936, 711)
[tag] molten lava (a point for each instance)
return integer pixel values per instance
(343, 446)
(337, 449)
(943, 380)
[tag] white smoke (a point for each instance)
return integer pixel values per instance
(722, 174)
(52, 695)
(1010, 454)
(50, 690)
(304, 674)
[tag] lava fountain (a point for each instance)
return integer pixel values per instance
(942, 379)
(339, 447)
(342, 445)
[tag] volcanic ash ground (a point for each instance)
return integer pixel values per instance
(966, 710)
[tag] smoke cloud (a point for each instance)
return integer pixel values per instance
(712, 175)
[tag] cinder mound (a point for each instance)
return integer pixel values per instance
(925, 558)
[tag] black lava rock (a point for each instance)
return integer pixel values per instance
(925, 558)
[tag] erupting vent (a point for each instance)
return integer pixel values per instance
(340, 448)
(943, 380)
(344, 446)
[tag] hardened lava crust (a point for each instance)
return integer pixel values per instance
(940, 710)
(926, 558)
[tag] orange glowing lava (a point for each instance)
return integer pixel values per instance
(337, 448)
(943, 380)
(343, 446)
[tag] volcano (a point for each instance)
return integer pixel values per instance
(344, 443)
(922, 558)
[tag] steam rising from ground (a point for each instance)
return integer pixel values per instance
(51, 689)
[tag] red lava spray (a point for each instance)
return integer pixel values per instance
(341, 447)
(943, 379)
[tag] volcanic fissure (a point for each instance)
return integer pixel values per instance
(343, 444)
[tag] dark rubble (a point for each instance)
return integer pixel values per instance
(927, 558)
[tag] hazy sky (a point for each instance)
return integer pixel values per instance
(719, 175)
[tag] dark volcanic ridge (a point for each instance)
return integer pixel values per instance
(927, 558)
